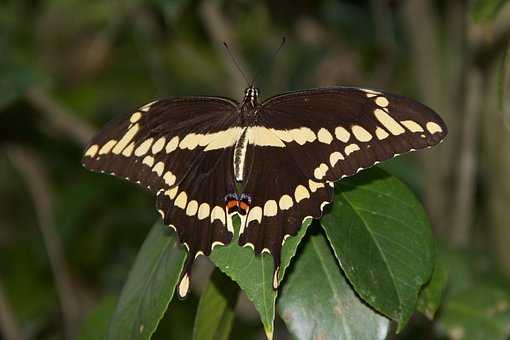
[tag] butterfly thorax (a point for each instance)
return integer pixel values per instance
(249, 105)
(248, 111)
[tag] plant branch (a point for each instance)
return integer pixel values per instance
(38, 183)
(421, 25)
(468, 159)
(59, 116)
(9, 329)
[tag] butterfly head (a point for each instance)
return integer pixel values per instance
(251, 95)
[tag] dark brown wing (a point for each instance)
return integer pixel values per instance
(335, 132)
(180, 149)
(304, 141)
(282, 197)
(156, 145)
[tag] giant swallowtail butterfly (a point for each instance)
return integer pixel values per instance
(273, 163)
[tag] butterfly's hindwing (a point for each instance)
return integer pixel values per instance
(282, 197)
(195, 208)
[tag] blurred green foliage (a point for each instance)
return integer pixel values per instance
(91, 60)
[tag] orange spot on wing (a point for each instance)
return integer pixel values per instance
(231, 204)
(243, 206)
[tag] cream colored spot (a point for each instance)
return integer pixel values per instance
(172, 192)
(382, 101)
(161, 213)
(342, 134)
(388, 122)
(158, 168)
(107, 147)
(223, 139)
(148, 160)
(285, 202)
(216, 243)
(284, 135)
(361, 134)
(218, 213)
(335, 157)
(91, 152)
(190, 141)
(270, 208)
(124, 141)
(169, 178)
(431, 126)
(181, 200)
(143, 148)
(370, 93)
(275, 278)
(351, 148)
(266, 250)
(255, 214)
(147, 107)
(412, 126)
(302, 135)
(203, 211)
(262, 136)
(159, 145)
(314, 186)
(301, 193)
(172, 145)
(129, 149)
(324, 136)
(184, 286)
(192, 208)
(249, 245)
(320, 171)
(381, 133)
(135, 117)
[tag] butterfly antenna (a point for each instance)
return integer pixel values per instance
(273, 57)
(236, 63)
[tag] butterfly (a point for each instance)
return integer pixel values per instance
(272, 163)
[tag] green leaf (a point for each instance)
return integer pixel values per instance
(482, 10)
(481, 312)
(317, 302)
(95, 325)
(215, 314)
(431, 295)
(150, 286)
(382, 240)
(254, 274)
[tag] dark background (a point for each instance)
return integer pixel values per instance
(68, 237)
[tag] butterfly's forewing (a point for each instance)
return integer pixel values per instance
(335, 132)
(303, 141)
(180, 149)
(147, 147)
